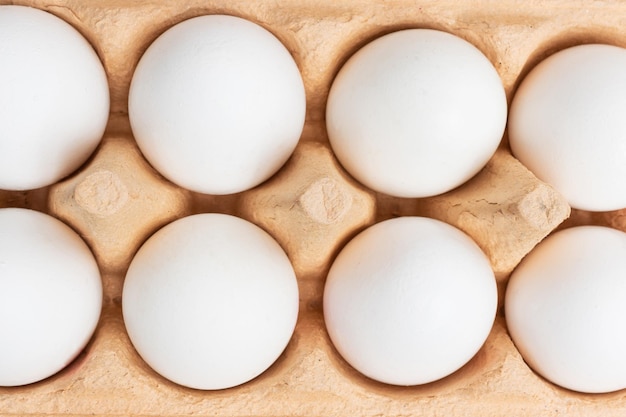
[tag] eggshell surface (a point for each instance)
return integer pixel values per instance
(416, 113)
(565, 309)
(567, 125)
(210, 301)
(50, 296)
(409, 300)
(54, 98)
(217, 104)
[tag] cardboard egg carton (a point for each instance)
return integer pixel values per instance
(312, 207)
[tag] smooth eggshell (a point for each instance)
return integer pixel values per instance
(565, 309)
(217, 104)
(409, 300)
(50, 296)
(567, 125)
(54, 98)
(210, 301)
(416, 113)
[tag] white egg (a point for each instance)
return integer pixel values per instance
(565, 309)
(50, 296)
(416, 113)
(217, 104)
(409, 301)
(567, 125)
(210, 301)
(54, 98)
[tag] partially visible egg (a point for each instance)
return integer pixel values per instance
(50, 296)
(409, 301)
(217, 104)
(567, 125)
(416, 113)
(54, 98)
(565, 309)
(210, 301)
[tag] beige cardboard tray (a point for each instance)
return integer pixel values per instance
(312, 207)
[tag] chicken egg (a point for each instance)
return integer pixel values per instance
(567, 125)
(50, 296)
(565, 308)
(409, 300)
(210, 301)
(416, 113)
(217, 104)
(54, 98)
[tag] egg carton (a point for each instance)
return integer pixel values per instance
(312, 207)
